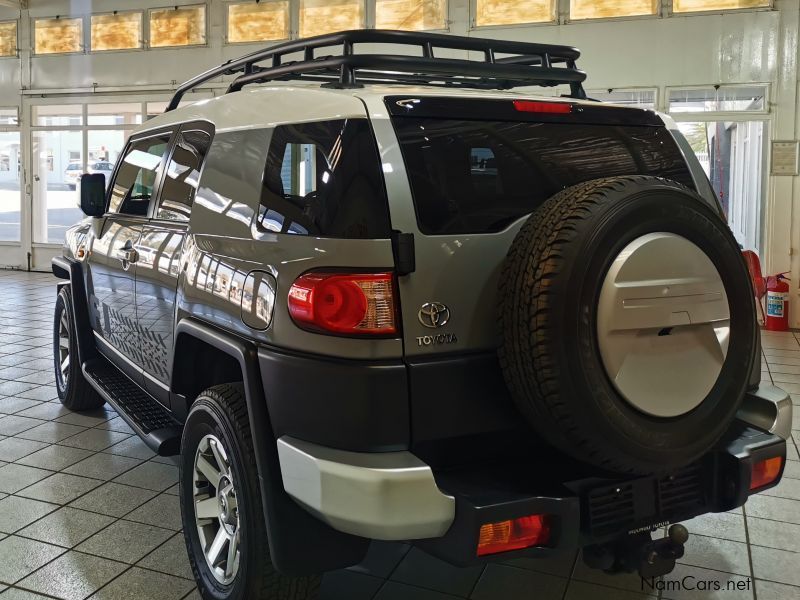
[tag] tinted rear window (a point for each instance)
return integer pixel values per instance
(470, 176)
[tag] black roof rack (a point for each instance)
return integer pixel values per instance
(503, 64)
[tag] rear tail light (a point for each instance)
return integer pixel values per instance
(553, 108)
(344, 303)
(515, 534)
(765, 472)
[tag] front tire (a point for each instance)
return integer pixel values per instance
(73, 390)
(221, 507)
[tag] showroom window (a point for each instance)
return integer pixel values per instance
(57, 36)
(684, 6)
(324, 16)
(637, 98)
(8, 38)
(178, 26)
(258, 22)
(117, 31)
(745, 98)
(607, 9)
(9, 116)
(513, 12)
(10, 176)
(415, 15)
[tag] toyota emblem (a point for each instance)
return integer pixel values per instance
(434, 314)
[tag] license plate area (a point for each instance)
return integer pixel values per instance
(645, 503)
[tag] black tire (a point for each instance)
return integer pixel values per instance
(221, 411)
(549, 291)
(73, 390)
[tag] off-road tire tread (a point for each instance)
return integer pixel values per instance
(80, 395)
(529, 365)
(268, 584)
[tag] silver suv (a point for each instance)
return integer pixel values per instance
(395, 297)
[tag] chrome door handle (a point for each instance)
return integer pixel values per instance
(127, 254)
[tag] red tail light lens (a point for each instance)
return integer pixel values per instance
(344, 303)
(553, 108)
(765, 472)
(515, 534)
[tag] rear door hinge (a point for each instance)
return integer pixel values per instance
(405, 261)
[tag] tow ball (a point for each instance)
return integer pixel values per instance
(639, 553)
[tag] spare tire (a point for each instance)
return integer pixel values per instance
(628, 324)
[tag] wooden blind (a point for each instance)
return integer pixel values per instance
(57, 36)
(250, 22)
(416, 15)
(122, 31)
(324, 16)
(680, 6)
(512, 12)
(604, 9)
(182, 26)
(8, 38)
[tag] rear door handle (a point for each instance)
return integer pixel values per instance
(127, 254)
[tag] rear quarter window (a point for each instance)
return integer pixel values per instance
(475, 176)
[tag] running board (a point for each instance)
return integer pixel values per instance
(145, 415)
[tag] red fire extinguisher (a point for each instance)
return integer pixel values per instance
(777, 303)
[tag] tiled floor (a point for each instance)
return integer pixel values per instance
(87, 511)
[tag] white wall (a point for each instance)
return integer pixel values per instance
(734, 47)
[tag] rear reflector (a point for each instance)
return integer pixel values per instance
(553, 108)
(516, 534)
(344, 303)
(765, 472)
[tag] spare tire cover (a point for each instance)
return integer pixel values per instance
(628, 324)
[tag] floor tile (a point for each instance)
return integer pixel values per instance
(60, 488)
(66, 527)
(132, 447)
(45, 410)
(771, 507)
(382, 559)
(169, 558)
(14, 405)
(624, 581)
(579, 590)
(151, 476)
(716, 554)
(113, 499)
(50, 432)
(94, 439)
(12, 448)
(422, 570)
(509, 583)
(769, 590)
(398, 591)
(14, 424)
(16, 512)
(780, 566)
(136, 584)
(16, 477)
(88, 418)
(125, 541)
(73, 576)
(343, 584)
(774, 534)
(55, 457)
(118, 424)
(20, 557)
(103, 466)
(18, 594)
(720, 525)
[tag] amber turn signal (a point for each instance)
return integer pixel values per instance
(765, 472)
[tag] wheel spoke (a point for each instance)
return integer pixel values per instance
(208, 471)
(217, 545)
(233, 548)
(222, 462)
(63, 342)
(206, 508)
(65, 364)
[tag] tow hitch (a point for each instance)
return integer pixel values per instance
(639, 552)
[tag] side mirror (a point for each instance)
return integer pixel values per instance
(93, 194)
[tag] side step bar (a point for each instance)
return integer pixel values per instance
(145, 415)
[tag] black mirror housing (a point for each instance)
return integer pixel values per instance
(93, 194)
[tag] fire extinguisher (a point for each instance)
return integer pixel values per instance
(777, 303)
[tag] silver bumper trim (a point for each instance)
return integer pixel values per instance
(769, 408)
(381, 496)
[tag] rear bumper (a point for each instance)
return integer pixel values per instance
(395, 496)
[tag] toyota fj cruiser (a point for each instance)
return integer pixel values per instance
(384, 297)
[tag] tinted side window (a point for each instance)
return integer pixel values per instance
(138, 173)
(324, 179)
(183, 175)
(472, 176)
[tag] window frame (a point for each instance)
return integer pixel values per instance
(700, 115)
(83, 44)
(15, 54)
(200, 125)
(289, 28)
(172, 130)
(144, 33)
(657, 96)
(206, 26)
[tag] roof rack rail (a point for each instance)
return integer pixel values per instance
(503, 64)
